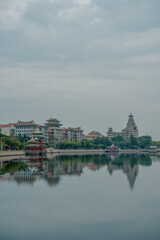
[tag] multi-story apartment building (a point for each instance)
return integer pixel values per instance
(55, 131)
(44, 130)
(131, 128)
(72, 134)
(25, 128)
(8, 129)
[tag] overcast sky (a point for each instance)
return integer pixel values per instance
(88, 63)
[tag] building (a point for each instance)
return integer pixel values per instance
(92, 135)
(72, 134)
(131, 129)
(25, 128)
(55, 131)
(8, 129)
(44, 131)
(111, 133)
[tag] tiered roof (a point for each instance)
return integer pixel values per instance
(78, 129)
(53, 122)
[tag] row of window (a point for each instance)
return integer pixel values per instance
(25, 127)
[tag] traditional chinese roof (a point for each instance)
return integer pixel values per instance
(7, 125)
(78, 129)
(93, 136)
(53, 122)
(29, 123)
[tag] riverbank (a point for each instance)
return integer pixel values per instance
(52, 151)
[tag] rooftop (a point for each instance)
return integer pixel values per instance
(29, 123)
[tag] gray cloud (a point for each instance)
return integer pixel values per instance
(98, 59)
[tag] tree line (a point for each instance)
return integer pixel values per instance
(104, 142)
(17, 143)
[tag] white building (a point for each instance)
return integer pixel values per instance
(8, 129)
(25, 128)
(72, 134)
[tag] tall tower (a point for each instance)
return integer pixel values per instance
(131, 128)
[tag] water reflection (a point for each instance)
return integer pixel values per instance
(29, 170)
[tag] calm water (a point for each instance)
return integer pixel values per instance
(81, 197)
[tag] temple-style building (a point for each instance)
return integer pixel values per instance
(53, 122)
(131, 129)
(55, 131)
(111, 133)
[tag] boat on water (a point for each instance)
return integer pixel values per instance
(36, 147)
(112, 148)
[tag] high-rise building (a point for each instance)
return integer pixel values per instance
(131, 128)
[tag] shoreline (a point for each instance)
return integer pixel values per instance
(52, 151)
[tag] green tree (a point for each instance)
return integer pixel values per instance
(144, 141)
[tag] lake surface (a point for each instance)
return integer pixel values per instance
(81, 197)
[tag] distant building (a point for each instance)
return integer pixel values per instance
(92, 135)
(44, 130)
(72, 134)
(131, 128)
(111, 133)
(38, 134)
(55, 131)
(8, 129)
(25, 128)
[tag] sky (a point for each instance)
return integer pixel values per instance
(88, 63)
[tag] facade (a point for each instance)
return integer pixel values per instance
(72, 134)
(111, 133)
(131, 128)
(92, 135)
(44, 131)
(25, 128)
(8, 129)
(55, 131)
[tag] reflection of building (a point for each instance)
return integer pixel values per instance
(131, 129)
(130, 171)
(72, 134)
(24, 175)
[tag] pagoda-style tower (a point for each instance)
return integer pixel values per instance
(131, 128)
(110, 133)
(55, 131)
(53, 122)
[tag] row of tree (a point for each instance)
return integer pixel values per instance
(102, 143)
(12, 142)
(17, 143)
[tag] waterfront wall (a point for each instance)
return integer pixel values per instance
(11, 153)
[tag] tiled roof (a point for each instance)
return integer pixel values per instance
(74, 129)
(29, 123)
(7, 125)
